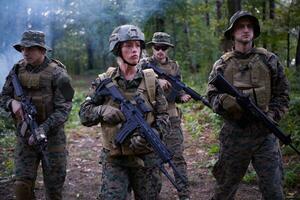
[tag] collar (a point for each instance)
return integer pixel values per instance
(38, 68)
(156, 61)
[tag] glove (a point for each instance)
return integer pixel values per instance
(40, 137)
(231, 106)
(111, 114)
(137, 142)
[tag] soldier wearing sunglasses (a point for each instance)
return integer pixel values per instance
(174, 140)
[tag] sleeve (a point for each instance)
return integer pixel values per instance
(7, 94)
(88, 112)
(162, 123)
(215, 96)
(279, 102)
(62, 103)
(178, 76)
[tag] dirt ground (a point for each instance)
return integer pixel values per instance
(83, 174)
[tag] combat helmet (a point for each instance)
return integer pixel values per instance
(161, 38)
(125, 33)
(238, 15)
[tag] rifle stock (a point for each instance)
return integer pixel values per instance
(135, 121)
(247, 104)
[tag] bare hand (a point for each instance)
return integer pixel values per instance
(17, 110)
(185, 98)
(164, 84)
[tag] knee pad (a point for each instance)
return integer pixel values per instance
(24, 190)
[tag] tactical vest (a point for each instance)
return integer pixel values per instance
(39, 87)
(146, 92)
(171, 68)
(252, 75)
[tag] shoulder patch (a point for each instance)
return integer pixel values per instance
(58, 63)
(264, 52)
(109, 72)
(227, 56)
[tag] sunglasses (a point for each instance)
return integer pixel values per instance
(157, 48)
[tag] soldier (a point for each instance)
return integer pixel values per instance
(47, 83)
(174, 139)
(257, 73)
(132, 164)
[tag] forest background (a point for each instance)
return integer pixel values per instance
(78, 32)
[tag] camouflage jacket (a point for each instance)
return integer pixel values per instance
(89, 115)
(62, 93)
(278, 104)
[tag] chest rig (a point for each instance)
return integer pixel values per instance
(251, 75)
(146, 91)
(39, 87)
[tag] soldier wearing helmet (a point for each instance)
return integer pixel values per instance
(258, 74)
(161, 43)
(132, 164)
(44, 81)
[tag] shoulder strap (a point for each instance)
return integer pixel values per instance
(55, 63)
(109, 72)
(227, 56)
(150, 77)
(265, 55)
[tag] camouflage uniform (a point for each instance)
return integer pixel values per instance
(259, 74)
(174, 139)
(44, 84)
(122, 167)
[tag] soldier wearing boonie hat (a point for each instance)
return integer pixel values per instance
(257, 73)
(32, 38)
(45, 81)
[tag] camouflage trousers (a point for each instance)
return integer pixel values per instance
(239, 147)
(27, 160)
(123, 173)
(174, 142)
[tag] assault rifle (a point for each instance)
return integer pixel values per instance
(177, 86)
(247, 104)
(30, 112)
(136, 122)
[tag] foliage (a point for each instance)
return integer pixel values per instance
(291, 122)
(6, 123)
(74, 120)
(7, 142)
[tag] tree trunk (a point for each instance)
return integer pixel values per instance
(272, 17)
(298, 54)
(90, 53)
(233, 6)
(272, 9)
(174, 35)
(160, 23)
(207, 19)
(218, 9)
(264, 17)
(192, 64)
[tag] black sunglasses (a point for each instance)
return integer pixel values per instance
(157, 48)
